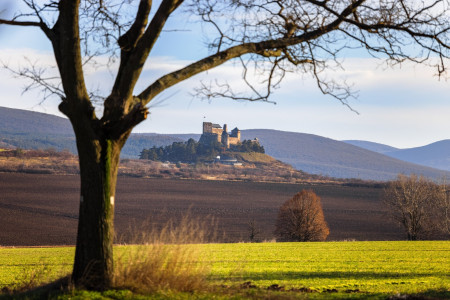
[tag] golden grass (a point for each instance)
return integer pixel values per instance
(254, 157)
(165, 259)
(44, 165)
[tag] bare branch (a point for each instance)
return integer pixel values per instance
(36, 13)
(20, 23)
(128, 41)
(131, 64)
(219, 58)
(390, 28)
(49, 85)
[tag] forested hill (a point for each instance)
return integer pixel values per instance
(195, 152)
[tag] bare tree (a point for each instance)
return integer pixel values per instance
(271, 37)
(411, 202)
(253, 231)
(444, 211)
(441, 211)
(301, 219)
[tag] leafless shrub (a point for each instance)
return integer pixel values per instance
(253, 231)
(301, 219)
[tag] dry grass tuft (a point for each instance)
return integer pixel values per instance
(165, 258)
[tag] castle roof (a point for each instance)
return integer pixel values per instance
(216, 126)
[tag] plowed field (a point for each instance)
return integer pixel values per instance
(43, 209)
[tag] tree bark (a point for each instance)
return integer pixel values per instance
(99, 160)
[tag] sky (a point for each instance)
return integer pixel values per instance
(403, 107)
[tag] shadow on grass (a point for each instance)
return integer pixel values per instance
(427, 295)
(48, 291)
(292, 275)
(60, 289)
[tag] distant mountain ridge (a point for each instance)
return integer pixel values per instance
(435, 155)
(375, 147)
(319, 155)
(35, 130)
(24, 121)
(306, 152)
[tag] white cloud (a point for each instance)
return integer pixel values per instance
(403, 107)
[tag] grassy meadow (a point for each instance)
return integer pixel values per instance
(375, 270)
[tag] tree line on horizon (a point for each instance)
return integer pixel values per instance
(193, 151)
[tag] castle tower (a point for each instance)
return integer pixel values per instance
(225, 137)
(236, 133)
(207, 127)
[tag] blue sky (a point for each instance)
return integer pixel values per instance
(402, 107)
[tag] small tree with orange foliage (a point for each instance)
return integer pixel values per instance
(301, 219)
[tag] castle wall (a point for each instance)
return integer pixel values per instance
(236, 133)
(233, 140)
(210, 128)
(213, 132)
(217, 131)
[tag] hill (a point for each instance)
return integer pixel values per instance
(435, 155)
(24, 121)
(318, 155)
(34, 130)
(375, 147)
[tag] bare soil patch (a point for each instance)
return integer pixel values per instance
(42, 209)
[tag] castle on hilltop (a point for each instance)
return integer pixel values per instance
(214, 132)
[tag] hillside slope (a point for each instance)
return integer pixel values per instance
(319, 155)
(435, 155)
(375, 147)
(24, 121)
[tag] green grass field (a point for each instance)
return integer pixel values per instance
(368, 267)
(303, 270)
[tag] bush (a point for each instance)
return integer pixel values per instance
(301, 219)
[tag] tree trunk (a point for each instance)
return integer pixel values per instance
(99, 161)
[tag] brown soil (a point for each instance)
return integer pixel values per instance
(42, 209)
